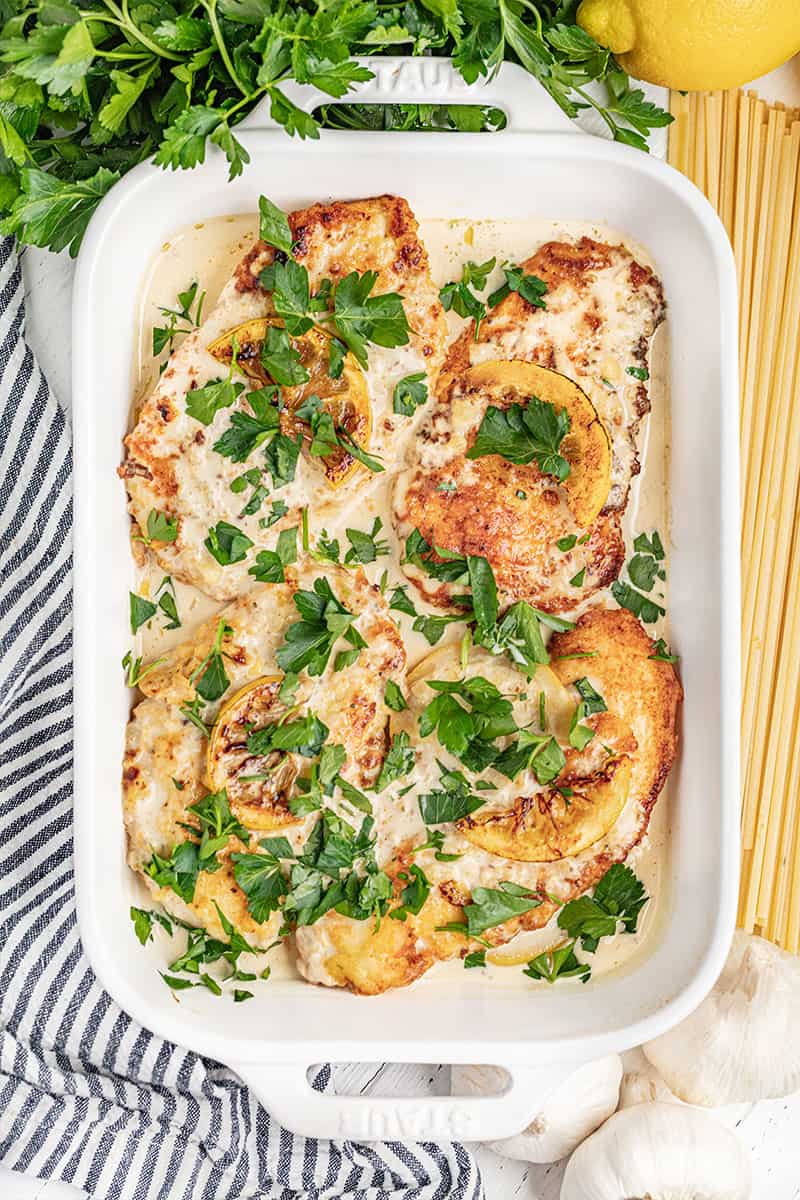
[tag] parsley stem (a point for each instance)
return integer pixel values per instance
(211, 9)
(132, 29)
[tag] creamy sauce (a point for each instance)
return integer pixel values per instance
(208, 252)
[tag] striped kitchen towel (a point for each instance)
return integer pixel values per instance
(86, 1095)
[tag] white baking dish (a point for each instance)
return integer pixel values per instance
(537, 1032)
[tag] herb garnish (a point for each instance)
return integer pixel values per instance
(530, 287)
(269, 564)
(309, 642)
(410, 394)
(521, 435)
(450, 802)
(644, 568)
(247, 432)
(366, 547)
(227, 544)
(164, 335)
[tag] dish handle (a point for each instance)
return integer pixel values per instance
(284, 1090)
(403, 80)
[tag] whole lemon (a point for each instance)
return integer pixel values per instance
(695, 45)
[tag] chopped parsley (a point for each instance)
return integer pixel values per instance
(450, 802)
(247, 432)
(269, 564)
(141, 610)
(489, 907)
(309, 642)
(410, 393)
(366, 547)
(530, 287)
(640, 373)
(617, 900)
(559, 963)
(227, 544)
(393, 697)
(521, 435)
(398, 762)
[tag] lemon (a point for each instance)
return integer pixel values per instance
(346, 397)
(695, 45)
(258, 786)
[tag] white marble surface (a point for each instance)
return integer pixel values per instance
(769, 1129)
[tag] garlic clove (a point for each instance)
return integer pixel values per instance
(743, 1042)
(577, 1107)
(662, 1152)
(641, 1082)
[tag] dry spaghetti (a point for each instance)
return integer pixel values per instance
(744, 154)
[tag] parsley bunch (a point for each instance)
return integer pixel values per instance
(88, 92)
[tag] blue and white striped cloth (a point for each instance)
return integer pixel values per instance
(86, 1095)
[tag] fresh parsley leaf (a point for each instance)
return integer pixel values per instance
(399, 761)
(217, 825)
(577, 579)
(309, 642)
(359, 318)
(640, 373)
(653, 545)
(410, 393)
(281, 457)
(160, 527)
(280, 359)
(141, 611)
(227, 544)
(209, 678)
(247, 432)
(434, 560)
(535, 752)
(618, 898)
(484, 591)
(205, 402)
(529, 287)
(566, 543)
(178, 871)
(414, 894)
(366, 547)
(458, 297)
(662, 653)
(260, 878)
(400, 601)
(494, 906)
(393, 697)
(476, 274)
(521, 435)
(641, 606)
(304, 736)
(269, 564)
(451, 802)
(476, 958)
(643, 571)
(560, 963)
(278, 509)
(273, 225)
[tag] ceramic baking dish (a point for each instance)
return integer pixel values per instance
(540, 166)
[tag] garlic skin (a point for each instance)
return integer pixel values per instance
(743, 1042)
(641, 1082)
(661, 1152)
(574, 1110)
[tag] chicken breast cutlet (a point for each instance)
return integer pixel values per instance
(602, 308)
(536, 841)
(546, 538)
(202, 459)
(254, 760)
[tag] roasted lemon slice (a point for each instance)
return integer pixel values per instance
(258, 786)
(345, 398)
(586, 447)
(549, 825)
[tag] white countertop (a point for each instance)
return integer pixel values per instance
(769, 1130)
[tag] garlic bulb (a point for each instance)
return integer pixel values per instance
(743, 1042)
(662, 1152)
(577, 1106)
(641, 1082)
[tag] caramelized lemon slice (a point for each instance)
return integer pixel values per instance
(258, 786)
(586, 447)
(345, 398)
(549, 825)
